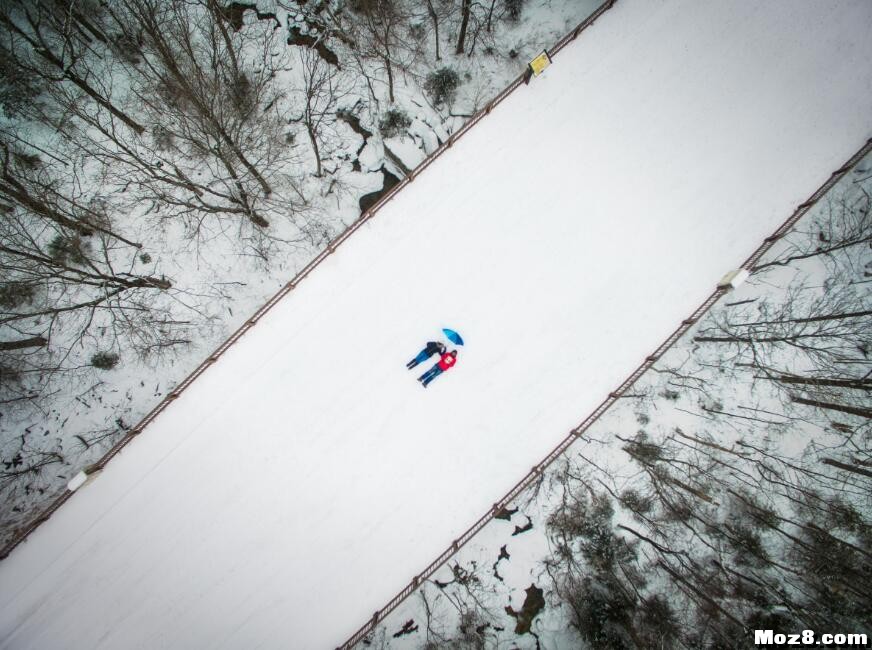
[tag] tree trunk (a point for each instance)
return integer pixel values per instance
(464, 23)
(95, 31)
(313, 138)
(810, 319)
(435, 20)
(820, 251)
(490, 14)
(842, 408)
(846, 467)
(858, 384)
(216, 16)
(19, 194)
(250, 212)
(35, 342)
(388, 67)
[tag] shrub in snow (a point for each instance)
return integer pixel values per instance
(513, 9)
(394, 123)
(635, 502)
(27, 160)
(670, 394)
(19, 90)
(127, 48)
(145, 258)
(242, 95)
(10, 375)
(418, 31)
(747, 546)
(67, 249)
(642, 450)
(600, 612)
(163, 137)
(659, 626)
(13, 294)
(104, 360)
(442, 85)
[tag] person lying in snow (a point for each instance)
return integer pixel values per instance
(433, 347)
(445, 363)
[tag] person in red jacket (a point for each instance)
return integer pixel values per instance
(445, 363)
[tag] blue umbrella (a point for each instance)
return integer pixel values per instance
(453, 336)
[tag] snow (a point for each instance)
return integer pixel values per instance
(306, 477)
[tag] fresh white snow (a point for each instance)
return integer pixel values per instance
(307, 476)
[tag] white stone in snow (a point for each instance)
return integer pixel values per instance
(77, 481)
(81, 479)
(734, 278)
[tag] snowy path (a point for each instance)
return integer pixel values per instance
(306, 477)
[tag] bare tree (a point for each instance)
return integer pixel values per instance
(66, 274)
(323, 88)
(210, 95)
(465, 10)
(378, 30)
(837, 234)
(186, 56)
(44, 42)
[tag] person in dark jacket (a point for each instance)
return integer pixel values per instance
(433, 347)
(445, 363)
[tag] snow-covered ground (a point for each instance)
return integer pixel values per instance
(306, 477)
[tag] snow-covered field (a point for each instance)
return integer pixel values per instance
(307, 476)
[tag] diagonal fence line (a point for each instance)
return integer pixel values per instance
(538, 469)
(134, 431)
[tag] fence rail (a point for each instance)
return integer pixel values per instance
(537, 470)
(134, 431)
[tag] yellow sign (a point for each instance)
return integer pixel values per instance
(541, 62)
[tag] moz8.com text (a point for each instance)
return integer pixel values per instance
(808, 638)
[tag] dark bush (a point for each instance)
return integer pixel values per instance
(670, 394)
(104, 360)
(582, 517)
(145, 258)
(28, 161)
(747, 546)
(128, 49)
(394, 123)
(636, 502)
(513, 9)
(18, 88)
(242, 96)
(67, 249)
(659, 625)
(642, 450)
(841, 514)
(599, 613)
(442, 85)
(10, 375)
(14, 294)
(418, 31)
(163, 138)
